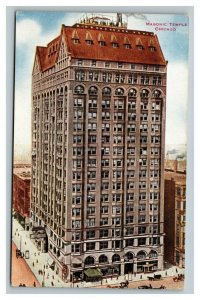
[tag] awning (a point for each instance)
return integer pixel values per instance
(51, 262)
(93, 273)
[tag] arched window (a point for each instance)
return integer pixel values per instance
(116, 257)
(132, 93)
(103, 259)
(89, 260)
(141, 255)
(106, 91)
(79, 89)
(153, 253)
(119, 92)
(144, 93)
(93, 90)
(156, 94)
(128, 256)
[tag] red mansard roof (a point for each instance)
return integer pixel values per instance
(49, 55)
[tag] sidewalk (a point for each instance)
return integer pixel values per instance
(39, 261)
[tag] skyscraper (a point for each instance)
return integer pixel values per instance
(98, 137)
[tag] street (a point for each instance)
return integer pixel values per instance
(21, 273)
(37, 265)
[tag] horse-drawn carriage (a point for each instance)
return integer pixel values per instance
(155, 277)
(180, 277)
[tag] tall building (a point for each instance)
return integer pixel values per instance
(21, 193)
(175, 213)
(98, 138)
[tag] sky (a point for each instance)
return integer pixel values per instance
(39, 28)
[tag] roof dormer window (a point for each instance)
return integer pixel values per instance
(88, 38)
(139, 44)
(89, 42)
(102, 43)
(127, 43)
(115, 45)
(101, 40)
(75, 37)
(76, 41)
(152, 49)
(114, 41)
(151, 45)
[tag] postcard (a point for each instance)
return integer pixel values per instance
(99, 173)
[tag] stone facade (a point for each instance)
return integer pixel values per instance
(98, 139)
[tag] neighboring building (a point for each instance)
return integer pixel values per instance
(21, 193)
(98, 138)
(175, 165)
(174, 216)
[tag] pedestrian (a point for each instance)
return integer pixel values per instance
(140, 276)
(37, 261)
(34, 284)
(166, 273)
(33, 264)
(53, 276)
(35, 254)
(176, 270)
(52, 283)
(77, 286)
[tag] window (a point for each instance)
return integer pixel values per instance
(144, 93)
(80, 75)
(78, 102)
(132, 92)
(142, 219)
(141, 229)
(116, 221)
(104, 209)
(129, 219)
(76, 212)
(90, 234)
(119, 92)
(76, 224)
(106, 91)
(106, 77)
(104, 233)
(93, 63)
(90, 246)
(79, 89)
(129, 230)
(156, 94)
(132, 66)
(120, 65)
(129, 242)
(91, 151)
(80, 62)
(144, 79)
(103, 245)
(90, 222)
(107, 64)
(141, 242)
(104, 198)
(91, 198)
(92, 162)
(116, 233)
(92, 139)
(76, 200)
(76, 248)
(102, 43)
(92, 103)
(93, 90)
(89, 260)
(115, 45)
(103, 258)
(91, 210)
(103, 221)
(91, 186)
